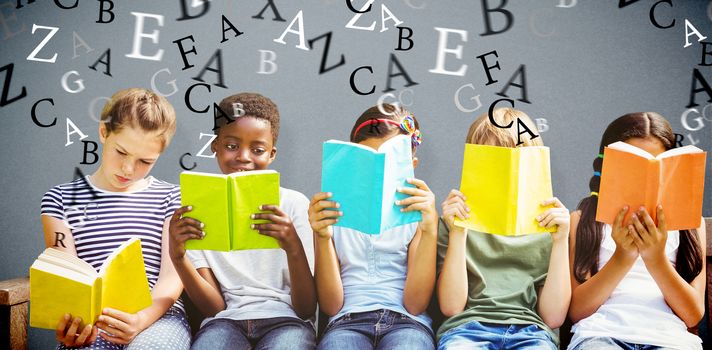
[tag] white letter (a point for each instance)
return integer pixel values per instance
(562, 3)
(138, 34)
(541, 123)
(474, 98)
(80, 82)
(200, 153)
(688, 26)
(33, 54)
(299, 32)
(358, 15)
(76, 131)
(76, 38)
(237, 110)
(442, 50)
(382, 99)
(170, 83)
(683, 119)
(92, 107)
(265, 61)
(385, 9)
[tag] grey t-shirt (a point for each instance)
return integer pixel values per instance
(255, 283)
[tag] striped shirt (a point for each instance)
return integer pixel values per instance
(100, 221)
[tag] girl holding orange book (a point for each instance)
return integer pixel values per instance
(634, 283)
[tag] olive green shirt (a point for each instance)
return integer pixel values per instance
(504, 274)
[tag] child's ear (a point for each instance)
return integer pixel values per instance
(415, 162)
(103, 133)
(212, 145)
(272, 154)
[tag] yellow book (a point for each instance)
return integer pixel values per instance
(62, 283)
(504, 187)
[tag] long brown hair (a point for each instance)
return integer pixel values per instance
(589, 232)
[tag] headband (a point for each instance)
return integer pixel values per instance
(407, 125)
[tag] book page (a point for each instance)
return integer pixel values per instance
(208, 194)
(682, 182)
(124, 282)
(250, 190)
(679, 150)
(534, 187)
(55, 291)
(398, 167)
(625, 181)
(626, 147)
(68, 261)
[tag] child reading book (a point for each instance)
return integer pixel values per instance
(376, 287)
(92, 216)
(259, 298)
(496, 289)
(635, 283)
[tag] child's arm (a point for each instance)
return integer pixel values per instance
(587, 297)
(327, 271)
(420, 278)
(125, 326)
(554, 297)
(303, 293)
(58, 236)
(685, 299)
(201, 285)
(452, 283)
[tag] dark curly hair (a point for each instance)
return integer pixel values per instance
(254, 105)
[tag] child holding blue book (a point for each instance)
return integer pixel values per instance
(376, 287)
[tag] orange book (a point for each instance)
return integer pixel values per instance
(633, 177)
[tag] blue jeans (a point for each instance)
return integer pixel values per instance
(379, 329)
(284, 333)
(610, 343)
(476, 335)
(170, 332)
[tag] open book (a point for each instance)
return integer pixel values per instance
(504, 187)
(364, 182)
(633, 177)
(62, 283)
(224, 204)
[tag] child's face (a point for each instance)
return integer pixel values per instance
(650, 144)
(128, 156)
(244, 144)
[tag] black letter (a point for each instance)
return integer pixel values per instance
(402, 72)
(6, 87)
(353, 85)
(277, 17)
(187, 98)
(532, 135)
(232, 27)
(180, 161)
(59, 239)
(106, 63)
(218, 58)
(696, 76)
(19, 3)
(184, 10)
(102, 10)
(678, 140)
(59, 4)
(219, 113)
(322, 68)
(401, 37)
(491, 117)
(487, 68)
(87, 151)
(186, 65)
(348, 3)
(34, 114)
(705, 53)
(652, 15)
(520, 72)
(486, 10)
(624, 3)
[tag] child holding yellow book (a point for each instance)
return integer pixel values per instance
(376, 287)
(635, 283)
(510, 291)
(258, 298)
(92, 216)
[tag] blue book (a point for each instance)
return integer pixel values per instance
(364, 182)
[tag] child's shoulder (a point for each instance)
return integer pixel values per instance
(68, 187)
(160, 184)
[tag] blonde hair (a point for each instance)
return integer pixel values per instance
(140, 108)
(483, 132)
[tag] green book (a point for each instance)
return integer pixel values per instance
(224, 204)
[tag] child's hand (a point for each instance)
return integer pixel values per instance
(625, 244)
(558, 215)
(121, 327)
(182, 229)
(454, 206)
(280, 227)
(421, 199)
(69, 337)
(649, 239)
(321, 217)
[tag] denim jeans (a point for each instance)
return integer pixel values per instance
(282, 333)
(612, 344)
(379, 329)
(476, 335)
(170, 332)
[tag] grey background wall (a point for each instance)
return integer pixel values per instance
(585, 65)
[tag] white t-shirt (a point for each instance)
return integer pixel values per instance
(255, 283)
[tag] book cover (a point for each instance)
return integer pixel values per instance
(62, 283)
(224, 204)
(633, 177)
(504, 187)
(364, 182)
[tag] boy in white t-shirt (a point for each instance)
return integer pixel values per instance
(263, 298)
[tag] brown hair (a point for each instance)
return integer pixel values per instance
(140, 108)
(254, 105)
(378, 129)
(482, 132)
(589, 232)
